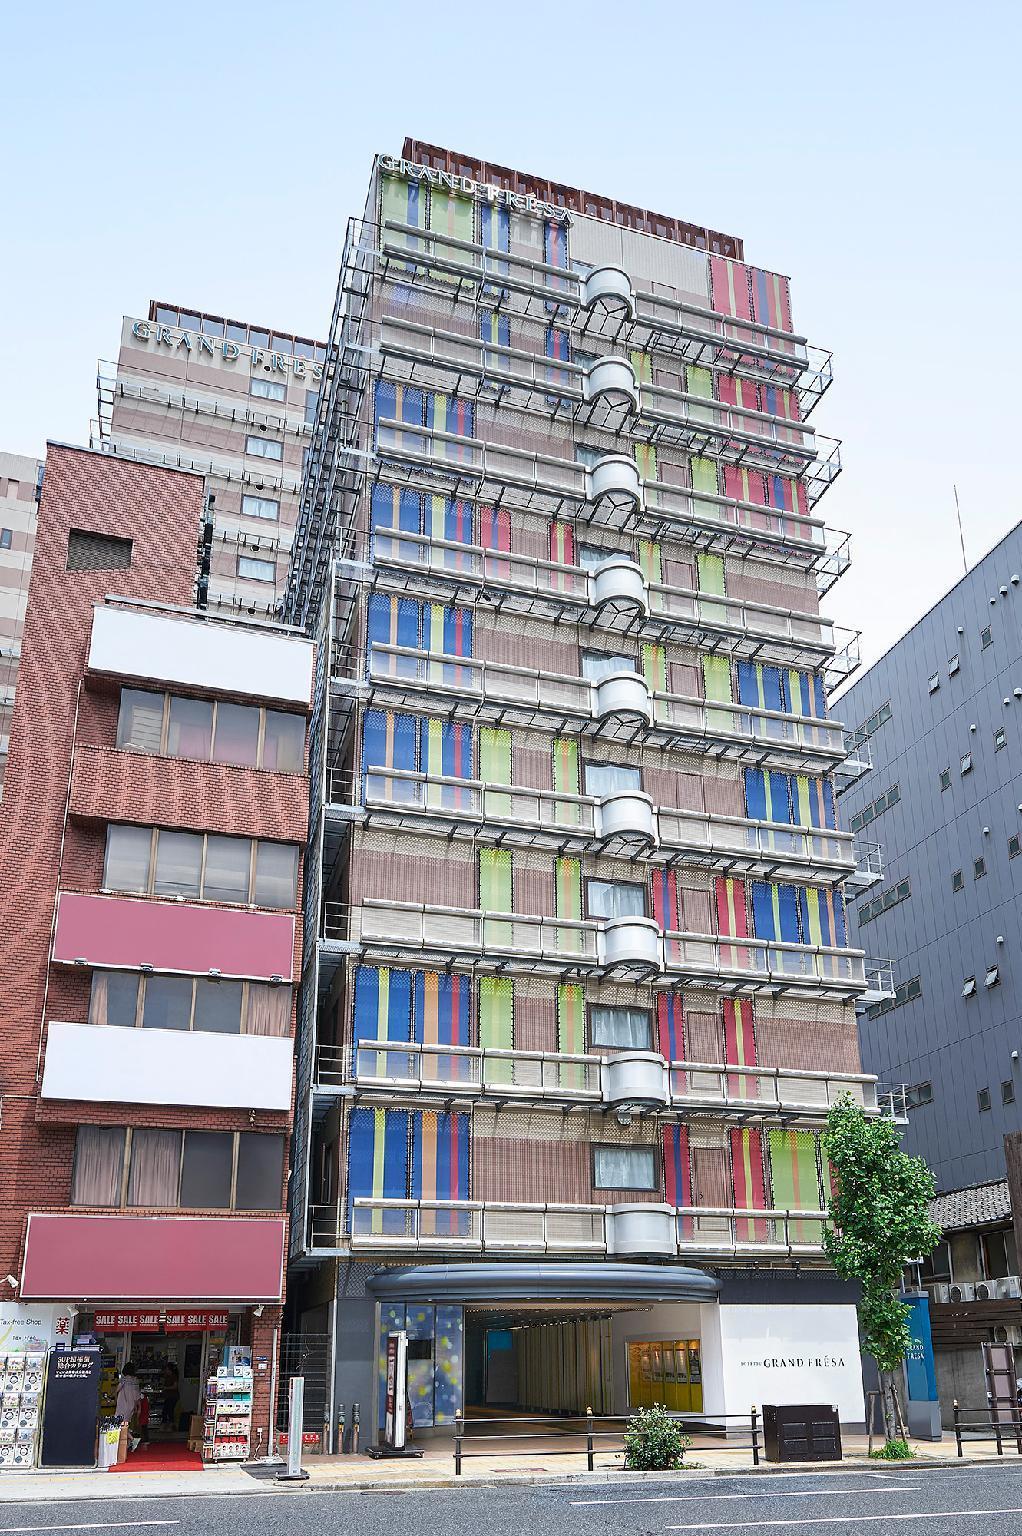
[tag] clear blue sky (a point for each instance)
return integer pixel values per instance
(210, 154)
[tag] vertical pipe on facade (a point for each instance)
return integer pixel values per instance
(56, 891)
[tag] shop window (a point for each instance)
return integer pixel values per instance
(625, 1168)
(624, 1028)
(958, 881)
(945, 779)
(615, 898)
(607, 778)
(983, 1099)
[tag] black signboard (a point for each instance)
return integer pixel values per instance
(71, 1408)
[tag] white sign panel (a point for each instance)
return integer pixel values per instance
(801, 1354)
(34, 1325)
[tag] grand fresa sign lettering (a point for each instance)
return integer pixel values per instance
(797, 1362)
(212, 346)
(521, 202)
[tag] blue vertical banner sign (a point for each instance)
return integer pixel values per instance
(919, 1371)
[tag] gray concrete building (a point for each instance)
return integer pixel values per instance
(19, 476)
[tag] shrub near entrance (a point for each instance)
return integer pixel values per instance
(653, 1441)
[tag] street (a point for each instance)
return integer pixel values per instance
(952, 1500)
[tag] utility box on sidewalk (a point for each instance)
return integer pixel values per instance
(801, 1432)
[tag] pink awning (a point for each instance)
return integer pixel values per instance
(171, 936)
(159, 1258)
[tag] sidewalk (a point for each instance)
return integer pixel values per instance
(544, 1464)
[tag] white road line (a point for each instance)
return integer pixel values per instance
(928, 1514)
(783, 1493)
(97, 1525)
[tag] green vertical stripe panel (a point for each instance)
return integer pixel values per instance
(704, 476)
(717, 679)
(645, 458)
(566, 780)
(654, 668)
(569, 889)
(451, 214)
(651, 560)
(711, 574)
(495, 886)
(794, 1179)
(495, 768)
(571, 1033)
(496, 1025)
(700, 382)
(394, 206)
(642, 365)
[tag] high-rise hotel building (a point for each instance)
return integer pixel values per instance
(577, 988)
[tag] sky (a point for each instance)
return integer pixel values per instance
(210, 155)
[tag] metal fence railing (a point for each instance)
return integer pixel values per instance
(507, 1437)
(986, 1426)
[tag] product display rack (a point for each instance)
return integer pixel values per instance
(22, 1376)
(227, 1429)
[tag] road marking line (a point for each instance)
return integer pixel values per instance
(96, 1525)
(928, 1514)
(784, 1493)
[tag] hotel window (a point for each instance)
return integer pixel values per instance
(945, 779)
(6, 538)
(311, 404)
(953, 665)
(983, 1099)
(242, 735)
(1014, 846)
(1000, 738)
(979, 868)
(153, 1169)
(165, 316)
(282, 344)
(128, 1000)
(250, 569)
(265, 507)
(237, 332)
(189, 322)
(615, 898)
(600, 664)
(969, 987)
(608, 778)
(966, 764)
(919, 1093)
(624, 1028)
(212, 325)
(958, 881)
(264, 447)
(992, 977)
(268, 389)
(239, 870)
(625, 1168)
(986, 637)
(259, 338)
(933, 682)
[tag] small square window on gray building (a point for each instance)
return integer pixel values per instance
(945, 779)
(983, 1098)
(933, 682)
(957, 881)
(992, 976)
(1000, 738)
(966, 762)
(1014, 846)
(1008, 1092)
(979, 868)
(953, 665)
(969, 987)
(986, 637)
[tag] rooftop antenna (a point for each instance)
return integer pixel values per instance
(961, 535)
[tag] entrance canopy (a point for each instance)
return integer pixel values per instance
(483, 1284)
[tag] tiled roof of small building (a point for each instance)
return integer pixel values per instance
(978, 1205)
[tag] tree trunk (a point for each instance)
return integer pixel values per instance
(891, 1430)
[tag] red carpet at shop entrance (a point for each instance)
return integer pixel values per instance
(167, 1457)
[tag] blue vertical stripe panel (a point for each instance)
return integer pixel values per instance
(755, 794)
(781, 798)
(383, 1004)
(361, 1140)
(385, 400)
(748, 684)
(495, 227)
(763, 911)
(819, 697)
(776, 484)
(787, 902)
(395, 1155)
(773, 691)
(830, 814)
(457, 632)
(840, 928)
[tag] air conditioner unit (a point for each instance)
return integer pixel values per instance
(965, 1291)
(940, 1293)
(1009, 1289)
(986, 1290)
(1009, 1333)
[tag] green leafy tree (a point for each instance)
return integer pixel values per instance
(880, 1222)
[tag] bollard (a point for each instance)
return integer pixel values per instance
(355, 1427)
(589, 1438)
(295, 1424)
(755, 1436)
(958, 1426)
(459, 1429)
(997, 1432)
(340, 1430)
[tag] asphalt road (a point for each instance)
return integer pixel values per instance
(953, 1501)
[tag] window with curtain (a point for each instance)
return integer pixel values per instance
(244, 735)
(276, 875)
(194, 864)
(128, 852)
(625, 1028)
(625, 1168)
(124, 999)
(140, 720)
(228, 872)
(615, 898)
(190, 728)
(114, 998)
(269, 1010)
(236, 739)
(98, 1166)
(178, 870)
(600, 664)
(607, 778)
(154, 1169)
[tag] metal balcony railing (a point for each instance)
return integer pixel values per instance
(398, 1225)
(543, 586)
(697, 957)
(856, 762)
(879, 981)
(765, 1090)
(545, 942)
(869, 864)
(473, 1070)
(470, 807)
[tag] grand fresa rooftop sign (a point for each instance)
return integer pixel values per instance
(520, 202)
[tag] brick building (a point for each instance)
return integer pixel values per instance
(151, 868)
(18, 479)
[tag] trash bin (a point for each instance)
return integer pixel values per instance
(801, 1432)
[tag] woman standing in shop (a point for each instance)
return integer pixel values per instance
(128, 1394)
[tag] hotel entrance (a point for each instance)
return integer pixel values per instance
(668, 1371)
